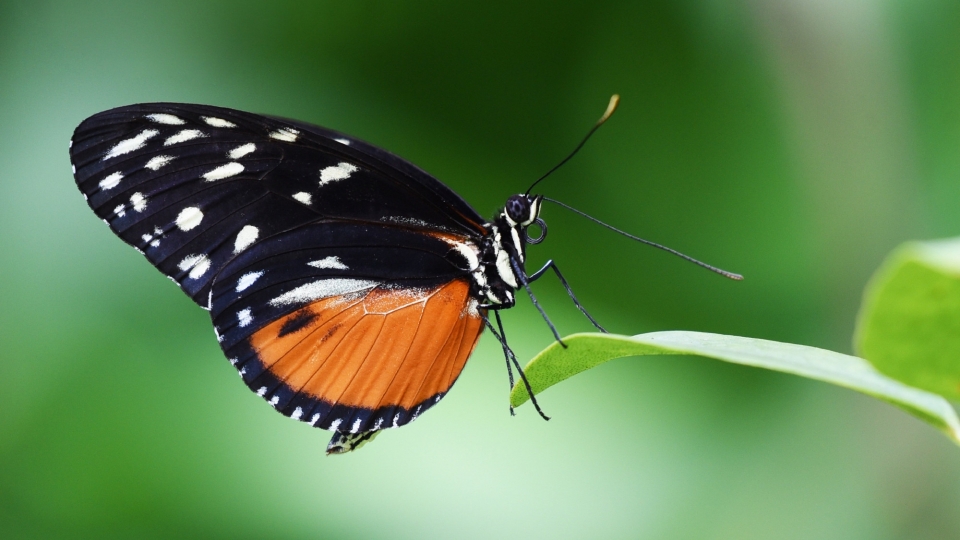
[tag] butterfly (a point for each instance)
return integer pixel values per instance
(347, 286)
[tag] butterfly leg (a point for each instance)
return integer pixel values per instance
(522, 276)
(552, 265)
(502, 337)
(508, 353)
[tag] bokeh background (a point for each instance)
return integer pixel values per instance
(795, 141)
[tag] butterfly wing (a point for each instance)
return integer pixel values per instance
(350, 327)
(192, 186)
(337, 274)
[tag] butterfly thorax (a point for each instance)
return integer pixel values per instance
(502, 252)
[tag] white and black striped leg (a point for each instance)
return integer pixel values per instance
(508, 353)
(526, 285)
(552, 265)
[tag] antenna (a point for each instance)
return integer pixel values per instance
(723, 273)
(612, 106)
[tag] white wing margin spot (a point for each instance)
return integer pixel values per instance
(285, 134)
(218, 122)
(163, 118)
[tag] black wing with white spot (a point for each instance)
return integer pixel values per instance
(320, 260)
(193, 186)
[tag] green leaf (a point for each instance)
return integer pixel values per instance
(909, 324)
(585, 351)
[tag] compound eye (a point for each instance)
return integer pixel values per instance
(518, 208)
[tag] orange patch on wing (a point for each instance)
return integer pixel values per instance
(387, 347)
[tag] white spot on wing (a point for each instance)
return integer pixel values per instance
(247, 280)
(244, 318)
(335, 424)
(297, 413)
(196, 264)
(303, 197)
(329, 262)
(356, 426)
(189, 218)
(262, 391)
(218, 122)
(224, 171)
(158, 161)
(285, 134)
(129, 145)
(247, 236)
(169, 119)
(111, 181)
(184, 136)
(322, 288)
(274, 400)
(241, 150)
(314, 418)
(138, 202)
(340, 171)
(343, 141)
(154, 238)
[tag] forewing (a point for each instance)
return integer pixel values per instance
(193, 186)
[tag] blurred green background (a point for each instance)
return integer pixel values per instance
(793, 141)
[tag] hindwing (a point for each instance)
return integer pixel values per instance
(350, 327)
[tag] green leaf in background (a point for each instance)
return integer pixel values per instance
(909, 323)
(586, 351)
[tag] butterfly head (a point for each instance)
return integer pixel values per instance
(522, 209)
